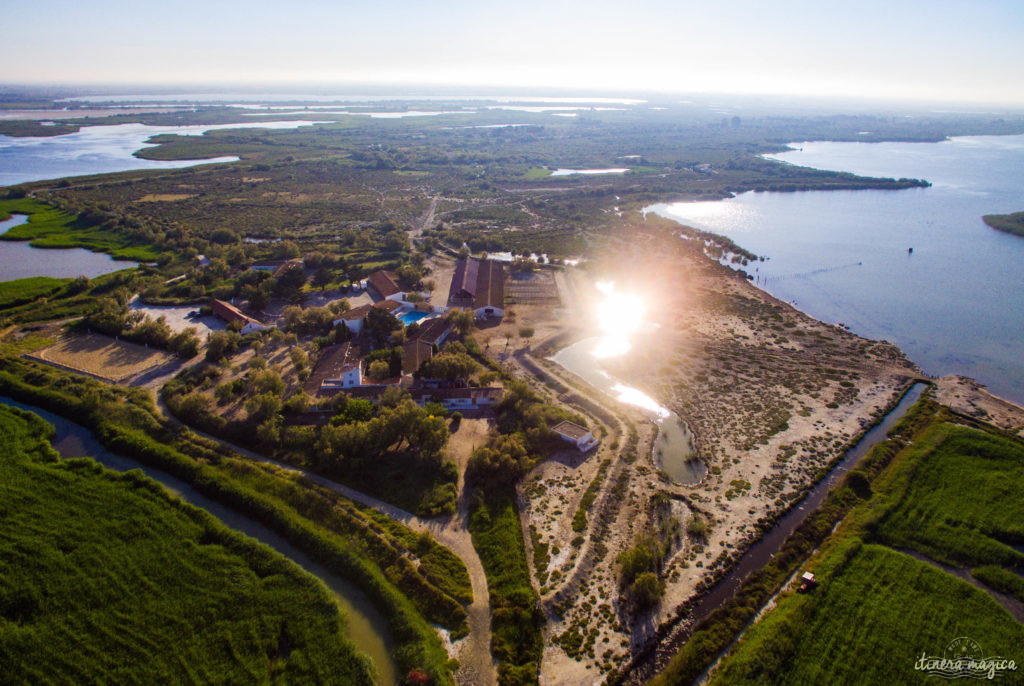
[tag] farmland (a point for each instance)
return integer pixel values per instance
(126, 583)
(895, 580)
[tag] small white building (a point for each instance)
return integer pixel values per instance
(354, 318)
(579, 436)
(461, 399)
(386, 285)
(229, 313)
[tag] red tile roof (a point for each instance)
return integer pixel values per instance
(385, 283)
(229, 313)
(432, 330)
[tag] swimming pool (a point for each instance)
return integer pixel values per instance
(413, 316)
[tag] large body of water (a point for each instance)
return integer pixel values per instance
(953, 305)
(103, 150)
(366, 627)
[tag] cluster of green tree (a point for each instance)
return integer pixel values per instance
(64, 620)
(451, 364)
(641, 565)
(127, 422)
(1007, 223)
(524, 437)
(94, 228)
(516, 620)
(113, 318)
(393, 449)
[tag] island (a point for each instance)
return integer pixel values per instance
(1007, 223)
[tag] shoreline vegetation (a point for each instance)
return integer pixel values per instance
(1007, 223)
(119, 530)
(136, 430)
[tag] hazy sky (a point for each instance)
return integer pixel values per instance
(939, 49)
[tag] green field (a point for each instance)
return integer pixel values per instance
(105, 577)
(951, 496)
(22, 291)
(868, 623)
(50, 227)
(401, 582)
(1009, 223)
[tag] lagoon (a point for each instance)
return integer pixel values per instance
(953, 304)
(19, 260)
(569, 172)
(103, 150)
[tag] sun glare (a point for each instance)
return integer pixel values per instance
(619, 315)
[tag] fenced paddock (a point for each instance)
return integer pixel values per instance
(105, 358)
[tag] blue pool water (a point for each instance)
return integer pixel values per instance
(414, 316)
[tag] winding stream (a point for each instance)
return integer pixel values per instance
(674, 445)
(365, 626)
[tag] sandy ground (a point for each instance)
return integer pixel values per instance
(177, 317)
(971, 398)
(772, 396)
(103, 357)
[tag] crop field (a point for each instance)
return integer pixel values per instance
(868, 624)
(949, 497)
(963, 506)
(106, 578)
(103, 357)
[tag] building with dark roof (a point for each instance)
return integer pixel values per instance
(434, 331)
(478, 285)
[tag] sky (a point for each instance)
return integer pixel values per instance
(940, 50)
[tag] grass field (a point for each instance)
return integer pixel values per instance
(105, 578)
(21, 291)
(952, 496)
(868, 624)
(104, 357)
(49, 227)
(963, 506)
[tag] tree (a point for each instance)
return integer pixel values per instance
(449, 365)
(263, 406)
(185, 343)
(291, 279)
(221, 344)
(378, 370)
(460, 320)
(526, 333)
(647, 589)
(380, 323)
(322, 277)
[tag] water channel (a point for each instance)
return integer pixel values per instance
(366, 627)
